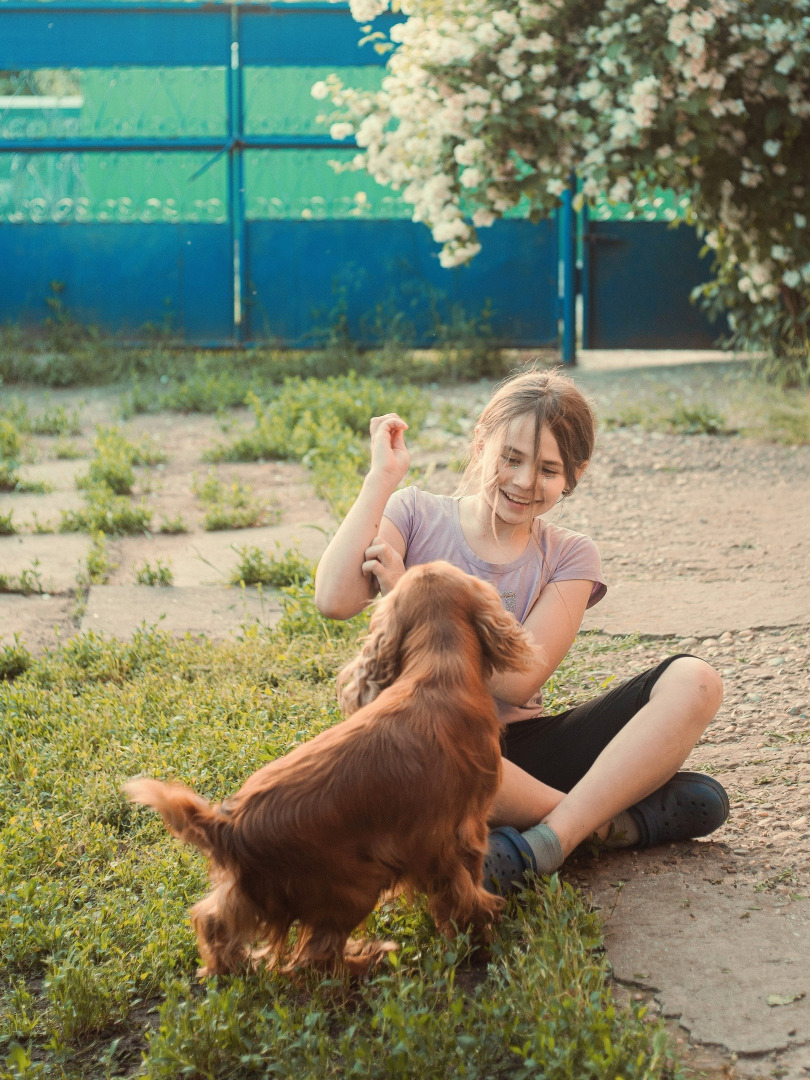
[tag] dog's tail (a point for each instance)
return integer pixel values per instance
(186, 814)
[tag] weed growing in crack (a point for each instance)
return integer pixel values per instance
(98, 567)
(11, 458)
(173, 526)
(324, 424)
(231, 506)
(284, 568)
(112, 464)
(159, 575)
(56, 420)
(106, 488)
(104, 511)
(27, 582)
(66, 450)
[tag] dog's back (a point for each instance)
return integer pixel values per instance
(397, 794)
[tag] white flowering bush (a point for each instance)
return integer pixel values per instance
(487, 106)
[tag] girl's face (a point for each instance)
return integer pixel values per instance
(525, 486)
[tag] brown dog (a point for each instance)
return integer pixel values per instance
(397, 796)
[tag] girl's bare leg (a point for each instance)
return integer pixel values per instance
(644, 754)
(522, 801)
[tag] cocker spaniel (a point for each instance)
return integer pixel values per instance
(395, 796)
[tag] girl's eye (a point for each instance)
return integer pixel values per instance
(551, 475)
(510, 461)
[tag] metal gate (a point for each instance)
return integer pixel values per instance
(181, 182)
(636, 281)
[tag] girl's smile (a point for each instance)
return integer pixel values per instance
(527, 483)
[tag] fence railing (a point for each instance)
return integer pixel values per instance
(198, 135)
(164, 163)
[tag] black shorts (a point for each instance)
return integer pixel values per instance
(560, 749)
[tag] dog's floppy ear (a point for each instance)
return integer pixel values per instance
(378, 665)
(505, 644)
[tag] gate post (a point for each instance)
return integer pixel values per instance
(236, 177)
(568, 273)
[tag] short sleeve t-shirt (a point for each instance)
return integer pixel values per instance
(431, 528)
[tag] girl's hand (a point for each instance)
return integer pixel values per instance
(389, 454)
(383, 563)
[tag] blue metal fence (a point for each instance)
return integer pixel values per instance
(260, 253)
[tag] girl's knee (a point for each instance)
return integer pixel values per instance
(701, 678)
(698, 679)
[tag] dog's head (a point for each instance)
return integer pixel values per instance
(439, 617)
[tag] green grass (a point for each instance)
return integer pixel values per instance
(159, 575)
(106, 512)
(173, 526)
(27, 582)
(98, 566)
(56, 420)
(98, 958)
(255, 567)
(715, 399)
(112, 464)
(675, 417)
(12, 455)
(323, 423)
(107, 487)
(66, 450)
(53, 420)
(232, 506)
(14, 659)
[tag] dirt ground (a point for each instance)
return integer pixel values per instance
(705, 543)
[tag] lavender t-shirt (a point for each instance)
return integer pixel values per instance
(431, 529)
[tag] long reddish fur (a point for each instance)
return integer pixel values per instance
(394, 796)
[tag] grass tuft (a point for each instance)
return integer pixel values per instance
(232, 506)
(160, 575)
(255, 567)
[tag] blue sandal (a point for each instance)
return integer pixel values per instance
(508, 859)
(689, 805)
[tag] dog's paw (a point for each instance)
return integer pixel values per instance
(361, 955)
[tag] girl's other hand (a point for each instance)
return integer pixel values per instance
(383, 563)
(389, 454)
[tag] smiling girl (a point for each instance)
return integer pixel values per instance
(608, 766)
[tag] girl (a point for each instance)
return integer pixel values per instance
(608, 766)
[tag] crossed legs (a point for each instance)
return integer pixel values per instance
(643, 754)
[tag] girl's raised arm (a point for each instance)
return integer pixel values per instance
(341, 587)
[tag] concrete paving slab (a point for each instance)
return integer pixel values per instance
(217, 612)
(45, 509)
(39, 511)
(209, 558)
(55, 557)
(60, 474)
(40, 622)
(730, 963)
(697, 608)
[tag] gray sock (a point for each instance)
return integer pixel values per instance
(545, 844)
(624, 831)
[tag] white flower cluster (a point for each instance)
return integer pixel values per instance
(487, 106)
